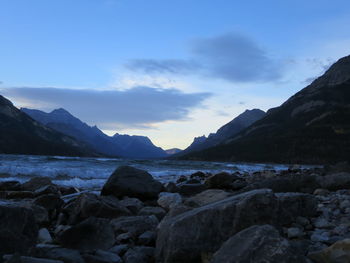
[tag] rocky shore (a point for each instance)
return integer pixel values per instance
(298, 215)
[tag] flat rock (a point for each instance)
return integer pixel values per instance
(207, 197)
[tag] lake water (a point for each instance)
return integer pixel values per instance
(92, 173)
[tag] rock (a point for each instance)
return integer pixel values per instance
(171, 187)
(153, 210)
(139, 255)
(132, 182)
(92, 233)
(44, 236)
(87, 205)
(169, 200)
(322, 223)
(257, 244)
(184, 237)
(147, 239)
(119, 249)
(339, 252)
(16, 194)
(335, 181)
(344, 204)
(134, 225)
(181, 179)
(207, 197)
(132, 204)
(18, 230)
(47, 189)
(22, 259)
(125, 238)
(35, 183)
(221, 180)
(193, 181)
(49, 201)
(322, 192)
(68, 190)
(191, 189)
(101, 256)
(318, 236)
(294, 232)
(10, 186)
(198, 174)
(58, 253)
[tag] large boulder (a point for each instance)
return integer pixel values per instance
(221, 180)
(88, 204)
(169, 200)
(92, 233)
(188, 235)
(257, 244)
(132, 182)
(18, 229)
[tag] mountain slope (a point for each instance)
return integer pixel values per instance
(20, 134)
(118, 145)
(228, 130)
(313, 126)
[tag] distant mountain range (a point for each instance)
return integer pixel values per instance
(20, 134)
(313, 126)
(228, 130)
(118, 145)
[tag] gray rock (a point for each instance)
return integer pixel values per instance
(18, 229)
(133, 204)
(294, 232)
(147, 239)
(101, 256)
(44, 236)
(134, 225)
(49, 201)
(23, 259)
(153, 210)
(207, 197)
(257, 244)
(139, 255)
(10, 186)
(191, 189)
(92, 233)
(36, 182)
(169, 200)
(119, 249)
(57, 253)
(132, 182)
(221, 181)
(335, 181)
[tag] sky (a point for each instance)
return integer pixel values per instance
(169, 70)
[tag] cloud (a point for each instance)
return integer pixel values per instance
(232, 57)
(138, 107)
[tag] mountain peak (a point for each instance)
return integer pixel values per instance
(60, 111)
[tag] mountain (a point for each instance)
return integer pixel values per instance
(118, 145)
(313, 126)
(228, 130)
(173, 151)
(20, 134)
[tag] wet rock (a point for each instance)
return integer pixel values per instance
(16, 194)
(10, 186)
(191, 189)
(294, 232)
(87, 205)
(171, 187)
(139, 255)
(221, 180)
(47, 189)
(337, 253)
(134, 225)
(49, 201)
(147, 239)
(22, 259)
(169, 200)
(321, 192)
(132, 182)
(18, 229)
(57, 253)
(257, 244)
(36, 182)
(119, 249)
(207, 197)
(198, 174)
(92, 233)
(153, 210)
(335, 181)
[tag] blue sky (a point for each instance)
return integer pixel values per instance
(181, 68)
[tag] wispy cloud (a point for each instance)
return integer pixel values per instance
(232, 57)
(138, 107)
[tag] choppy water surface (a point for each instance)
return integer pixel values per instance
(91, 173)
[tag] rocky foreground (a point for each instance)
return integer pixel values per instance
(293, 216)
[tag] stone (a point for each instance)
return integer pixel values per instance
(101, 256)
(294, 232)
(322, 223)
(119, 249)
(18, 229)
(132, 204)
(207, 197)
(169, 200)
(36, 182)
(16, 195)
(321, 192)
(88, 204)
(49, 201)
(23, 259)
(134, 225)
(139, 255)
(47, 189)
(57, 253)
(318, 236)
(198, 174)
(132, 182)
(44, 236)
(221, 180)
(339, 252)
(171, 187)
(10, 186)
(147, 239)
(344, 204)
(191, 189)
(257, 244)
(152, 210)
(335, 181)
(92, 233)
(125, 238)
